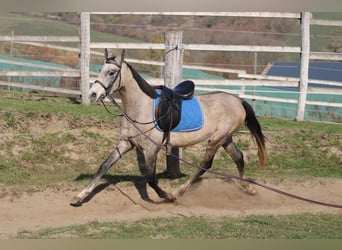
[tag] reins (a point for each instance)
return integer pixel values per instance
(154, 121)
(217, 172)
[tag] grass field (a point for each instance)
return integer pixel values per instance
(303, 226)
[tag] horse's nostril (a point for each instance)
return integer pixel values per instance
(102, 96)
(93, 95)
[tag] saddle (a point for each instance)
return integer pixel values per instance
(168, 111)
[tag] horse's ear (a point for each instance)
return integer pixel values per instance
(123, 55)
(108, 53)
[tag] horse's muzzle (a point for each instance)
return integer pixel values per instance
(96, 94)
(96, 97)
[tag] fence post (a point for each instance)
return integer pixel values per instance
(304, 65)
(172, 76)
(85, 56)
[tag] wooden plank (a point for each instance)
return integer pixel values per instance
(41, 88)
(53, 46)
(41, 73)
(269, 77)
(246, 48)
(326, 104)
(234, 14)
(40, 38)
(266, 98)
(225, 70)
(239, 82)
(139, 61)
(202, 47)
(36, 65)
(325, 91)
(290, 79)
(231, 91)
(99, 45)
(325, 56)
(326, 22)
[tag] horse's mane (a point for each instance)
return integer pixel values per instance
(144, 86)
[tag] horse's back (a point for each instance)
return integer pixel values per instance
(223, 114)
(222, 103)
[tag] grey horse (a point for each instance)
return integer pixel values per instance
(223, 115)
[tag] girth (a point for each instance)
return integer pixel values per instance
(169, 110)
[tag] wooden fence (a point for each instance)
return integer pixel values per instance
(244, 79)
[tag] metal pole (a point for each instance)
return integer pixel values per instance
(172, 76)
(304, 67)
(85, 57)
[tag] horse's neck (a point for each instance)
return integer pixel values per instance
(134, 100)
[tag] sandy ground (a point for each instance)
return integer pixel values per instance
(124, 201)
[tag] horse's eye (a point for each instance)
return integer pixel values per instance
(111, 73)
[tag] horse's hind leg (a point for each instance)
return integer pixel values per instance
(123, 147)
(237, 157)
(205, 164)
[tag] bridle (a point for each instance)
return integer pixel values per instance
(108, 89)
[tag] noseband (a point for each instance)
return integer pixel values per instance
(110, 86)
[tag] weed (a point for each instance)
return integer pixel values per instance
(5, 165)
(10, 119)
(90, 134)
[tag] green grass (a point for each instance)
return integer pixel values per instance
(301, 226)
(32, 103)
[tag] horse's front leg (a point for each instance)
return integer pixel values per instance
(150, 162)
(122, 148)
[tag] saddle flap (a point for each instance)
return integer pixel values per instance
(185, 90)
(168, 114)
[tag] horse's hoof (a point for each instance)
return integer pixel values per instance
(77, 203)
(251, 191)
(171, 197)
(248, 188)
(179, 192)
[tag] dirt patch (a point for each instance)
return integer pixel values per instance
(123, 201)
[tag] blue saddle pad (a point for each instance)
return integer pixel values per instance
(191, 116)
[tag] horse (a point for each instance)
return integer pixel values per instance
(223, 115)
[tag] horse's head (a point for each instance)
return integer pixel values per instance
(109, 79)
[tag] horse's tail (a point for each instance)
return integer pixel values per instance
(255, 129)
